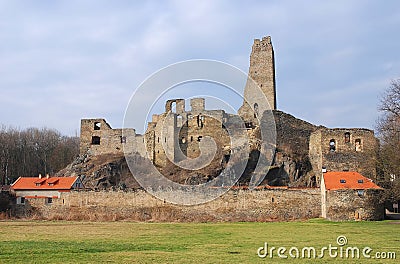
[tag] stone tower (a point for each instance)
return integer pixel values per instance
(262, 72)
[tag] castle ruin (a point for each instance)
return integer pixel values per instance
(303, 150)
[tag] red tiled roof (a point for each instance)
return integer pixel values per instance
(52, 183)
(336, 180)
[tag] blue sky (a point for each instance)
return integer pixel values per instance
(61, 61)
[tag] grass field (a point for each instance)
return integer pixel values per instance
(128, 242)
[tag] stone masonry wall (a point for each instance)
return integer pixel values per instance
(99, 138)
(235, 205)
(351, 205)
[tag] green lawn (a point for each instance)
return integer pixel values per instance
(128, 242)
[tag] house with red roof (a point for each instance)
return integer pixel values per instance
(348, 195)
(43, 188)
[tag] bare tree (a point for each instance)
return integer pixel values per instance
(33, 151)
(388, 128)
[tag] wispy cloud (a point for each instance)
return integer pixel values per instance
(64, 60)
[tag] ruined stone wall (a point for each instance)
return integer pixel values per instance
(173, 136)
(343, 149)
(99, 138)
(342, 205)
(235, 205)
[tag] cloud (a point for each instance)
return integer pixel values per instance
(64, 60)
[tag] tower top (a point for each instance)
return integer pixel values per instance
(263, 44)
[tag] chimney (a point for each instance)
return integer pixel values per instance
(47, 176)
(40, 176)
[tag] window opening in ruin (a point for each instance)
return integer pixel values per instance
(332, 145)
(273, 199)
(158, 151)
(342, 181)
(95, 140)
(191, 138)
(123, 139)
(200, 121)
(183, 140)
(199, 138)
(358, 146)
(173, 107)
(165, 140)
(360, 181)
(248, 125)
(158, 140)
(227, 157)
(179, 121)
(255, 110)
(97, 125)
(347, 137)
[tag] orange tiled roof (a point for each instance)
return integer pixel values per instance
(52, 183)
(336, 180)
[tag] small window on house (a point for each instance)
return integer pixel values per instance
(360, 192)
(95, 140)
(123, 139)
(49, 200)
(358, 146)
(97, 125)
(21, 200)
(347, 137)
(332, 145)
(199, 138)
(342, 181)
(360, 181)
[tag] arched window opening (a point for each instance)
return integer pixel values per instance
(347, 137)
(332, 145)
(358, 144)
(173, 107)
(255, 110)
